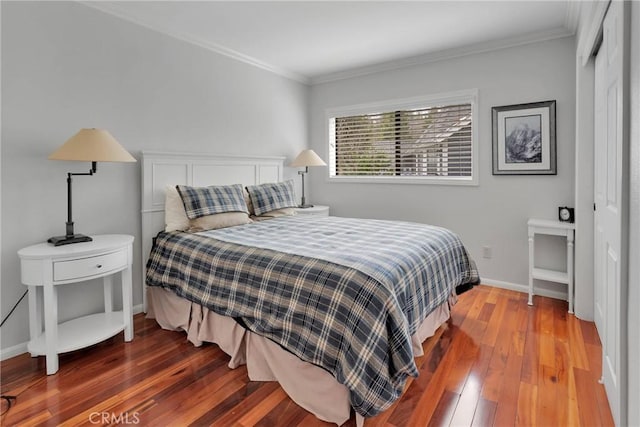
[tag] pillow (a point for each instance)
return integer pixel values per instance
(215, 221)
(175, 218)
(247, 200)
(275, 214)
(272, 196)
(269, 215)
(202, 201)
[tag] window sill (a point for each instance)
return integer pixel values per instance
(464, 181)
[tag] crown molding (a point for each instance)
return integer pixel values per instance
(112, 9)
(444, 55)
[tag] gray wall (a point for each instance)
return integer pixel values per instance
(66, 66)
(494, 213)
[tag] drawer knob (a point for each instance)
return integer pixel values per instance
(99, 265)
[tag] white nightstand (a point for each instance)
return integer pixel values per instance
(317, 210)
(46, 266)
(553, 228)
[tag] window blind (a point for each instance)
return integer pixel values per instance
(434, 141)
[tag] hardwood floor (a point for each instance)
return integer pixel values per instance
(496, 362)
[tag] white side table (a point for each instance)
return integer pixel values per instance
(553, 228)
(318, 210)
(46, 266)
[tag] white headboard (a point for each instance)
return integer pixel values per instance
(160, 169)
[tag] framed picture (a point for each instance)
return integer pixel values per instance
(524, 139)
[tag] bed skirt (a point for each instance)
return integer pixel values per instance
(311, 387)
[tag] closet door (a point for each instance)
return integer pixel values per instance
(610, 190)
(600, 158)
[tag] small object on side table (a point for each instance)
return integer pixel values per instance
(566, 214)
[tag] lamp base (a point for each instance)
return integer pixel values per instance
(67, 240)
(305, 206)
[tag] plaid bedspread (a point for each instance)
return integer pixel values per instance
(340, 293)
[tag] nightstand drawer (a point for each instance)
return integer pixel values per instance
(91, 266)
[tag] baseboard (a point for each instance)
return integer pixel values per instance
(137, 309)
(16, 350)
(550, 293)
(19, 349)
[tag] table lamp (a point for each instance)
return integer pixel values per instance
(304, 160)
(88, 145)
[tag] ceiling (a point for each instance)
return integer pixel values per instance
(315, 41)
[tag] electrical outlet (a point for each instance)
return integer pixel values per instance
(486, 252)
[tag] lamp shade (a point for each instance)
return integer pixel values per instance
(307, 158)
(92, 145)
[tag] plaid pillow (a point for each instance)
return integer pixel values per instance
(202, 201)
(272, 196)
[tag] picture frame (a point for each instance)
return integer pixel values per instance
(524, 139)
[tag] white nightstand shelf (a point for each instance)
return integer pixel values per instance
(552, 228)
(550, 275)
(81, 332)
(45, 267)
(318, 210)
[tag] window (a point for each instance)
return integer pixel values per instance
(419, 140)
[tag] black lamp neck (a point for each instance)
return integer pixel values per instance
(94, 169)
(303, 200)
(69, 223)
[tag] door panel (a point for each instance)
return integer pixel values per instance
(600, 295)
(611, 348)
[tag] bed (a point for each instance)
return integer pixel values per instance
(334, 309)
